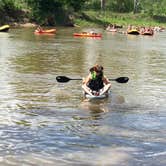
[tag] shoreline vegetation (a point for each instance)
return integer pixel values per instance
(82, 13)
(91, 19)
(103, 19)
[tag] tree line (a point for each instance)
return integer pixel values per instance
(59, 10)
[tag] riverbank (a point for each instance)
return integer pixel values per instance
(92, 18)
(16, 18)
(89, 19)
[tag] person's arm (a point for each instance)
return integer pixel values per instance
(87, 79)
(84, 85)
(106, 80)
(107, 85)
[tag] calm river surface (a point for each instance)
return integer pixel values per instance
(43, 122)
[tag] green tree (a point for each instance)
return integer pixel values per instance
(120, 5)
(44, 11)
(77, 5)
(154, 7)
(51, 10)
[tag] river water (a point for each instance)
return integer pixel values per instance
(43, 122)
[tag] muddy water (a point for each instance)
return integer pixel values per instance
(43, 122)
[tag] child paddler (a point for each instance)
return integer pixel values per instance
(96, 83)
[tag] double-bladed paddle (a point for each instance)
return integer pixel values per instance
(64, 79)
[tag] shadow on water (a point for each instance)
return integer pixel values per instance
(98, 107)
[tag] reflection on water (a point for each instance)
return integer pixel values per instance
(47, 123)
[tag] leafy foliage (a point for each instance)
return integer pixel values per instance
(8, 5)
(54, 11)
(75, 4)
(48, 10)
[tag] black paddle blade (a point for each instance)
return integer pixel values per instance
(122, 79)
(62, 79)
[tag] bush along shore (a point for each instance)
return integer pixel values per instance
(86, 19)
(23, 17)
(102, 19)
(82, 12)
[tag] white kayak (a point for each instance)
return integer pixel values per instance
(100, 94)
(96, 95)
(103, 96)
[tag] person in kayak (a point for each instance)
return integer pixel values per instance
(96, 83)
(39, 29)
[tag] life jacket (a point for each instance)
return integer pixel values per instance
(96, 83)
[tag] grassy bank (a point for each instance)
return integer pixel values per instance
(92, 18)
(18, 16)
